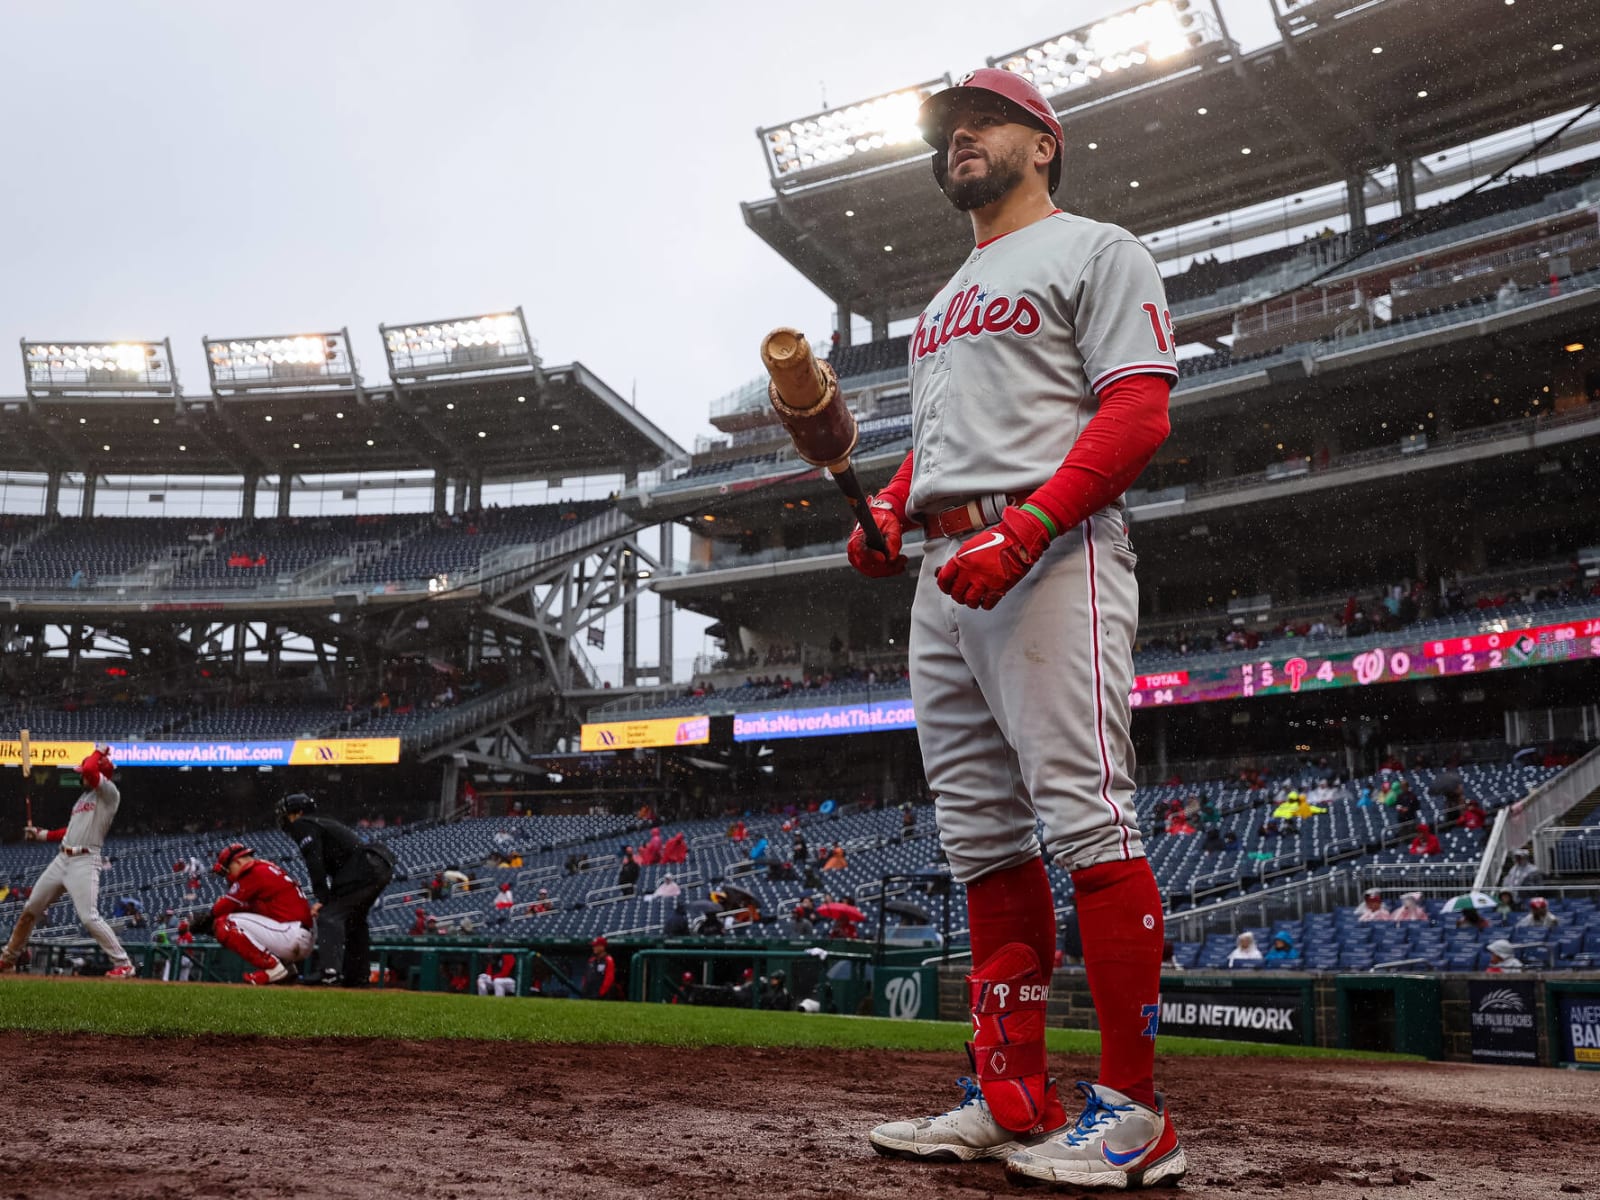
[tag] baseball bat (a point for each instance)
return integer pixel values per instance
(805, 394)
(25, 757)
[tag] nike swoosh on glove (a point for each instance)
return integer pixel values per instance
(989, 564)
(867, 560)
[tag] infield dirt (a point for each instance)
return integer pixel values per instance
(106, 1117)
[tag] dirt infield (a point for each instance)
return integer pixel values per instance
(118, 1117)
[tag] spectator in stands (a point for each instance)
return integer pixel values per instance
(1405, 811)
(1506, 903)
(1372, 907)
(1245, 950)
(628, 872)
(1426, 843)
(1521, 876)
(1207, 813)
(438, 889)
(650, 852)
(836, 860)
(542, 904)
(759, 850)
(1539, 915)
(1213, 843)
(1282, 948)
(573, 865)
(600, 973)
(499, 974)
(1503, 958)
(1472, 814)
(1410, 909)
(419, 924)
(504, 901)
(676, 922)
(737, 832)
(1506, 296)
(799, 851)
(1471, 918)
(1178, 823)
(667, 889)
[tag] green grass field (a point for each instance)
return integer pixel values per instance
(180, 1010)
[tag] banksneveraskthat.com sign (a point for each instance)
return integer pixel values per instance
(1235, 1015)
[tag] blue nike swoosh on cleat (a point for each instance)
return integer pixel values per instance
(1122, 1160)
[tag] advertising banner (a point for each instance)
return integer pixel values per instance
(877, 716)
(658, 731)
(1580, 1028)
(1503, 1028)
(309, 752)
(1238, 1014)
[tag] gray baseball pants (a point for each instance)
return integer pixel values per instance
(1022, 711)
(78, 875)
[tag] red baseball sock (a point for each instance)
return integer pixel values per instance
(1119, 916)
(1013, 905)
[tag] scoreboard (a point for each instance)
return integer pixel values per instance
(1318, 665)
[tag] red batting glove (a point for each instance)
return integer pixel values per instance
(891, 521)
(989, 564)
(89, 768)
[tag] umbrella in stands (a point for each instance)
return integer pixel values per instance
(1445, 783)
(1478, 900)
(735, 897)
(904, 908)
(701, 906)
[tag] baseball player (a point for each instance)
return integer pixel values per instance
(1039, 381)
(76, 870)
(499, 975)
(347, 875)
(263, 917)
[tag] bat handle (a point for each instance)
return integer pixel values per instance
(851, 487)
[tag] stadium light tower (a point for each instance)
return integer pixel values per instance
(1147, 41)
(291, 362)
(857, 135)
(97, 368)
(460, 346)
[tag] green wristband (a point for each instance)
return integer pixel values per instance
(1044, 518)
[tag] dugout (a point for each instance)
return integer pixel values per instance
(1391, 1013)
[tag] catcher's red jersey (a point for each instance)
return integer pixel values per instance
(263, 888)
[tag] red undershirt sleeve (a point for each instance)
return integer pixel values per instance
(55, 835)
(898, 490)
(1114, 447)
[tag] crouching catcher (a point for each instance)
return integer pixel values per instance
(263, 917)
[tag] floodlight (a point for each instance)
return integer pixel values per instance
(872, 129)
(292, 361)
(459, 345)
(78, 368)
(1148, 36)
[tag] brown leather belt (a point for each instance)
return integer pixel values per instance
(976, 513)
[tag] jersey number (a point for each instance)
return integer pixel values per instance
(1161, 326)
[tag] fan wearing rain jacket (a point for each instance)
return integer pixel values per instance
(1282, 948)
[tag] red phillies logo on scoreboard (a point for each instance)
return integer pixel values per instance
(972, 313)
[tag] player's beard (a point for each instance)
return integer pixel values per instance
(993, 185)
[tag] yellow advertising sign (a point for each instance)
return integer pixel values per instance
(658, 731)
(44, 754)
(323, 752)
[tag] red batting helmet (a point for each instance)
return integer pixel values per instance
(228, 853)
(1028, 105)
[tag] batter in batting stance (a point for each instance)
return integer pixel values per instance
(1039, 380)
(347, 875)
(263, 917)
(76, 870)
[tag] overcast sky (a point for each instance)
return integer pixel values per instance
(182, 168)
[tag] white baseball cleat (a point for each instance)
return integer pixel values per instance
(1115, 1143)
(967, 1133)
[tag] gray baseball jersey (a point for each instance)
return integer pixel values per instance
(1006, 360)
(92, 816)
(1022, 711)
